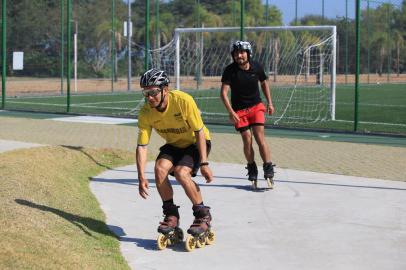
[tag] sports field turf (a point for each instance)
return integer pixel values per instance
(382, 108)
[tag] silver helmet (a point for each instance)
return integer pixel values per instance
(154, 77)
(241, 45)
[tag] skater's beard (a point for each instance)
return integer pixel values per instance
(242, 61)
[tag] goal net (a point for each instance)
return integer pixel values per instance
(299, 60)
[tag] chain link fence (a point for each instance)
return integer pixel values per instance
(45, 42)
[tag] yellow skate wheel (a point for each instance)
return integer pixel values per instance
(201, 241)
(162, 241)
(190, 243)
(210, 238)
(270, 183)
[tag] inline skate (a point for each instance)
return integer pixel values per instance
(269, 174)
(253, 174)
(200, 232)
(169, 231)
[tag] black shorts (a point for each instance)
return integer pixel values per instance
(188, 156)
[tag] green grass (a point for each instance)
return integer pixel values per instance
(49, 218)
(377, 103)
(382, 108)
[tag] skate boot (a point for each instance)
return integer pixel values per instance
(200, 231)
(169, 231)
(252, 174)
(269, 174)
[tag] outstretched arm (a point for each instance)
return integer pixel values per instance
(141, 157)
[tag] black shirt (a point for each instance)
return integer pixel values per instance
(244, 84)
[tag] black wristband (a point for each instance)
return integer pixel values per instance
(204, 164)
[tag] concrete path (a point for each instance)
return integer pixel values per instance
(8, 145)
(309, 221)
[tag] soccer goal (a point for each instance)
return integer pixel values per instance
(299, 60)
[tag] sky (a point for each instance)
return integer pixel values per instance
(332, 8)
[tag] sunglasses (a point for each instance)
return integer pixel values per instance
(151, 92)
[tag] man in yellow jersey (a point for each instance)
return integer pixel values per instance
(175, 117)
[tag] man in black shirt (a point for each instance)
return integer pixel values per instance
(247, 112)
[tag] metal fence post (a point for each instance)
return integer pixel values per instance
(3, 53)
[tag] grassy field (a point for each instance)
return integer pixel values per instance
(382, 107)
(49, 219)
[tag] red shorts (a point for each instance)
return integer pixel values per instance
(251, 116)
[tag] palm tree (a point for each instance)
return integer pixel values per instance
(400, 44)
(378, 42)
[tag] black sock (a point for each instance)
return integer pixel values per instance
(199, 204)
(168, 202)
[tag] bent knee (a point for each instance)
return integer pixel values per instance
(160, 173)
(182, 173)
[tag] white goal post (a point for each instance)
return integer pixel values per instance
(300, 62)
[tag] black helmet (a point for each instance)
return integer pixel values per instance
(241, 45)
(154, 77)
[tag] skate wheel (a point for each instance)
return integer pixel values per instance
(201, 241)
(210, 238)
(162, 241)
(270, 183)
(190, 243)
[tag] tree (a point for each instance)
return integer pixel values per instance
(95, 33)
(399, 34)
(34, 29)
(400, 44)
(379, 40)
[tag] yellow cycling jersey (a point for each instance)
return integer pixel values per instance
(176, 124)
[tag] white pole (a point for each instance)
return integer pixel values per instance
(129, 46)
(75, 57)
(321, 69)
(333, 75)
(177, 60)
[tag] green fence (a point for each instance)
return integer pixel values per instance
(90, 34)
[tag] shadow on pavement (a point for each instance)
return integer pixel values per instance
(147, 244)
(340, 185)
